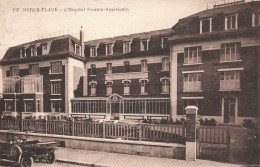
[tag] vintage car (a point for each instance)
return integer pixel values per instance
(26, 153)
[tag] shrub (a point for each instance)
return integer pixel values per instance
(247, 123)
(9, 117)
(163, 121)
(171, 121)
(177, 122)
(144, 121)
(212, 122)
(201, 122)
(183, 121)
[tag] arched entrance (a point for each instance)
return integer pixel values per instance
(115, 105)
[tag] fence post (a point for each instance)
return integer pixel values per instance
(72, 127)
(140, 132)
(191, 116)
(103, 130)
(46, 125)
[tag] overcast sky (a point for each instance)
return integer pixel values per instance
(17, 27)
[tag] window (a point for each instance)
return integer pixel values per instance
(28, 106)
(109, 87)
(109, 68)
(34, 50)
(55, 105)
(109, 49)
(38, 109)
(22, 52)
(14, 71)
(192, 82)
(144, 86)
(126, 87)
(9, 105)
(93, 51)
(34, 69)
(256, 19)
(144, 45)
(56, 67)
(45, 48)
(229, 107)
(126, 47)
(230, 80)
(126, 66)
(165, 85)
(56, 87)
(93, 85)
(92, 69)
(230, 52)
(231, 22)
(77, 49)
(206, 25)
(165, 64)
(192, 102)
(192, 55)
(165, 42)
(144, 65)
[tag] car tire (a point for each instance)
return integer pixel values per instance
(51, 158)
(27, 162)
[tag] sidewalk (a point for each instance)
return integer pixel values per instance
(104, 159)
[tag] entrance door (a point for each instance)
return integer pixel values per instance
(229, 110)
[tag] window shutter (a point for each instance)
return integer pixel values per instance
(186, 56)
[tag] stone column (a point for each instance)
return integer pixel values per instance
(191, 116)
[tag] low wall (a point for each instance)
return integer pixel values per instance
(155, 149)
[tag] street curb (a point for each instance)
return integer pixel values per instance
(79, 163)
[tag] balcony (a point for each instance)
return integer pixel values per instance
(229, 85)
(126, 76)
(26, 84)
(194, 86)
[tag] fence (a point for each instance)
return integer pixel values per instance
(213, 135)
(144, 132)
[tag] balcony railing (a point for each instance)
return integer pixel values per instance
(192, 86)
(26, 84)
(229, 84)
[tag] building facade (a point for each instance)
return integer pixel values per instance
(209, 59)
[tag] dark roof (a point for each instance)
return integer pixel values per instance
(142, 35)
(61, 45)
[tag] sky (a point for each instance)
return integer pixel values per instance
(20, 21)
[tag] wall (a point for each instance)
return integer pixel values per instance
(154, 149)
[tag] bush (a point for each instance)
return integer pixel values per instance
(212, 122)
(171, 121)
(144, 121)
(163, 121)
(178, 122)
(201, 122)
(9, 117)
(248, 123)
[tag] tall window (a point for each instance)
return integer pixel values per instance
(230, 80)
(14, 71)
(34, 69)
(230, 52)
(44, 48)
(206, 25)
(56, 67)
(56, 106)
(192, 82)
(192, 55)
(22, 52)
(56, 87)
(229, 107)
(144, 44)
(126, 87)
(126, 47)
(93, 85)
(77, 49)
(9, 105)
(109, 87)
(93, 69)
(28, 106)
(109, 68)
(109, 49)
(165, 85)
(144, 86)
(231, 22)
(165, 42)
(165, 64)
(126, 66)
(144, 65)
(34, 50)
(192, 102)
(256, 19)
(93, 51)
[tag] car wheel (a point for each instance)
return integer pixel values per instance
(16, 151)
(27, 162)
(51, 158)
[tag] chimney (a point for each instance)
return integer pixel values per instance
(82, 41)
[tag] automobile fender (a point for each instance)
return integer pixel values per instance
(18, 148)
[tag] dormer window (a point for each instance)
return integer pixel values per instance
(93, 51)
(77, 49)
(109, 49)
(45, 49)
(144, 44)
(206, 25)
(34, 50)
(22, 52)
(256, 19)
(231, 22)
(165, 42)
(126, 47)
